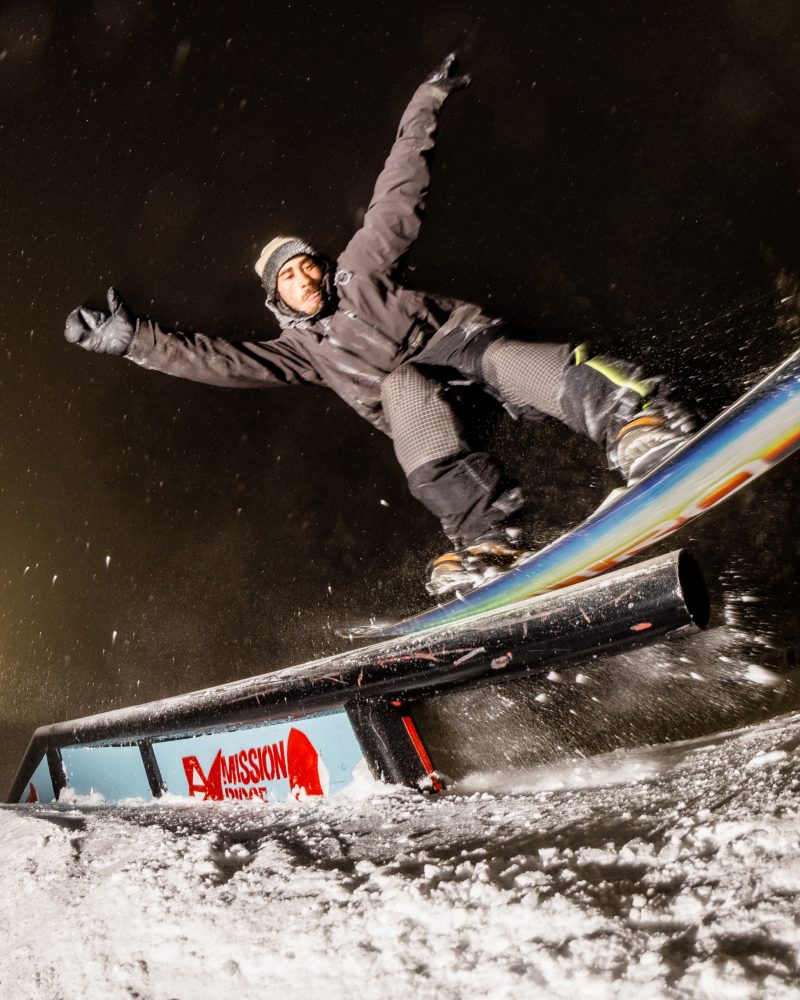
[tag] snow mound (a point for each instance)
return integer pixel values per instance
(669, 871)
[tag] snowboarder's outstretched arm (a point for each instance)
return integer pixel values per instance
(393, 219)
(194, 356)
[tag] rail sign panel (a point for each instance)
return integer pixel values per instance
(313, 756)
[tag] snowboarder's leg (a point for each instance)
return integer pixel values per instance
(528, 377)
(609, 400)
(465, 489)
(634, 418)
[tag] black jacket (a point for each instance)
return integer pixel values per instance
(377, 324)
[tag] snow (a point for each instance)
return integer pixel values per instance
(666, 871)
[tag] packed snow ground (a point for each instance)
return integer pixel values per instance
(671, 871)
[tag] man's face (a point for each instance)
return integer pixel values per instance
(299, 284)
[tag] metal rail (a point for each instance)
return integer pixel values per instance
(373, 684)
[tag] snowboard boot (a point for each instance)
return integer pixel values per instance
(462, 570)
(650, 438)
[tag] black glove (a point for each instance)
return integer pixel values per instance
(106, 332)
(444, 79)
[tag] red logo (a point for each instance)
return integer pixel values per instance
(248, 773)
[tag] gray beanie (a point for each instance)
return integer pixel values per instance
(274, 256)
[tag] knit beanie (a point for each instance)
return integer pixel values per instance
(274, 256)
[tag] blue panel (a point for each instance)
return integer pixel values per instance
(278, 760)
(114, 772)
(40, 787)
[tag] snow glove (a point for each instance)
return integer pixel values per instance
(444, 78)
(105, 332)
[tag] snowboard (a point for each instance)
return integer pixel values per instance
(747, 439)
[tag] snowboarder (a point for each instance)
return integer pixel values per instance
(390, 351)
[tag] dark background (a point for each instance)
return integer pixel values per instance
(627, 169)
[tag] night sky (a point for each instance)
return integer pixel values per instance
(631, 170)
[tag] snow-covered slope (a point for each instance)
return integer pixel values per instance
(670, 871)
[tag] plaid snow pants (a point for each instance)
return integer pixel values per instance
(466, 489)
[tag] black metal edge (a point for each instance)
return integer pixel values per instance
(391, 745)
(58, 774)
(694, 588)
(487, 664)
(152, 770)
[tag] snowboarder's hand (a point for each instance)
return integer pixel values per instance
(444, 78)
(106, 332)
